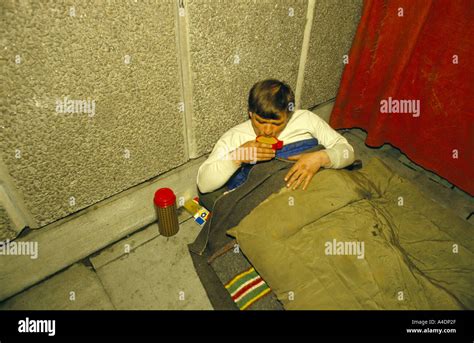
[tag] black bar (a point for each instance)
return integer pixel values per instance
(238, 323)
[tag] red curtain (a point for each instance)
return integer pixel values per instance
(407, 53)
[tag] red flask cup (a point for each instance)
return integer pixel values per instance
(165, 205)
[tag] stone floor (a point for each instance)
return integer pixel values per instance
(141, 272)
(148, 271)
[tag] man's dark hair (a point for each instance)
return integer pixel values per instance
(270, 97)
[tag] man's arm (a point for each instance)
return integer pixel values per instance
(337, 148)
(218, 168)
(226, 158)
(338, 153)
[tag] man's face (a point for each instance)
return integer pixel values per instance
(268, 127)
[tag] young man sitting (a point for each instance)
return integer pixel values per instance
(271, 113)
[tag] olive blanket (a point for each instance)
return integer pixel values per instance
(365, 239)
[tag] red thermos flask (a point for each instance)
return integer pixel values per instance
(165, 205)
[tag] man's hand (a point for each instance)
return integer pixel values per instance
(306, 166)
(252, 152)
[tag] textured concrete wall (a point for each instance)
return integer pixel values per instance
(233, 44)
(333, 29)
(120, 54)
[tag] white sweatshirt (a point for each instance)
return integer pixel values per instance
(303, 124)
